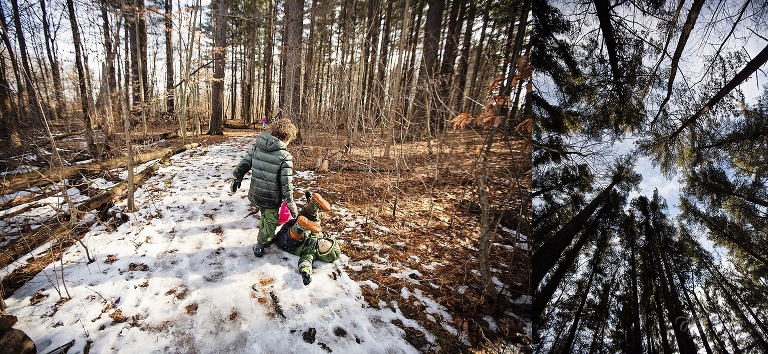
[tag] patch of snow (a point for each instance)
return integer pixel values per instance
(177, 277)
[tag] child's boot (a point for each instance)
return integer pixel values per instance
(258, 249)
(305, 223)
(316, 203)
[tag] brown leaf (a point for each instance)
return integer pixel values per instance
(462, 120)
(525, 126)
(496, 83)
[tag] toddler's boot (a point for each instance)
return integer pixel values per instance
(258, 249)
(304, 223)
(316, 203)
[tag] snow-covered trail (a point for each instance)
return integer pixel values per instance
(177, 278)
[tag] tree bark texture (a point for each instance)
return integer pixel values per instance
(294, 17)
(169, 68)
(424, 105)
(219, 58)
(81, 81)
(34, 110)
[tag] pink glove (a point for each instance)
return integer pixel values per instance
(285, 214)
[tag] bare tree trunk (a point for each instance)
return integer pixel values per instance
(33, 107)
(137, 35)
(20, 94)
(377, 114)
(604, 15)
(219, 58)
(232, 85)
(660, 318)
(109, 74)
(690, 22)
(370, 53)
(489, 289)
(734, 297)
(198, 129)
(294, 17)
(169, 74)
(55, 71)
(308, 72)
(674, 307)
(755, 64)
(700, 328)
(248, 82)
(396, 103)
(546, 291)
(187, 67)
(448, 63)
(710, 326)
(127, 67)
(81, 81)
(9, 121)
(636, 338)
(478, 55)
(566, 347)
(141, 67)
(268, 60)
(545, 257)
(460, 78)
(424, 104)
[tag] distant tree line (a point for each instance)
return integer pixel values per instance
(360, 66)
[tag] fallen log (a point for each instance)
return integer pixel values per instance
(27, 243)
(26, 180)
(63, 233)
(114, 192)
(22, 275)
(30, 198)
(251, 126)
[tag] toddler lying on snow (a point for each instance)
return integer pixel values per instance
(303, 237)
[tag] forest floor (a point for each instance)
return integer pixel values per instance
(416, 230)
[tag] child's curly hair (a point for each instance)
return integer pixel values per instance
(283, 129)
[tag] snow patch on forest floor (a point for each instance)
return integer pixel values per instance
(178, 277)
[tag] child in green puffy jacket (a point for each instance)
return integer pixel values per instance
(303, 237)
(271, 168)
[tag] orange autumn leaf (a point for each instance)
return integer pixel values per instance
(462, 120)
(495, 84)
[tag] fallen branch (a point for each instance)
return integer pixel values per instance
(31, 197)
(30, 242)
(27, 243)
(27, 180)
(239, 126)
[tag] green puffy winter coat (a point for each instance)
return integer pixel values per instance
(271, 167)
